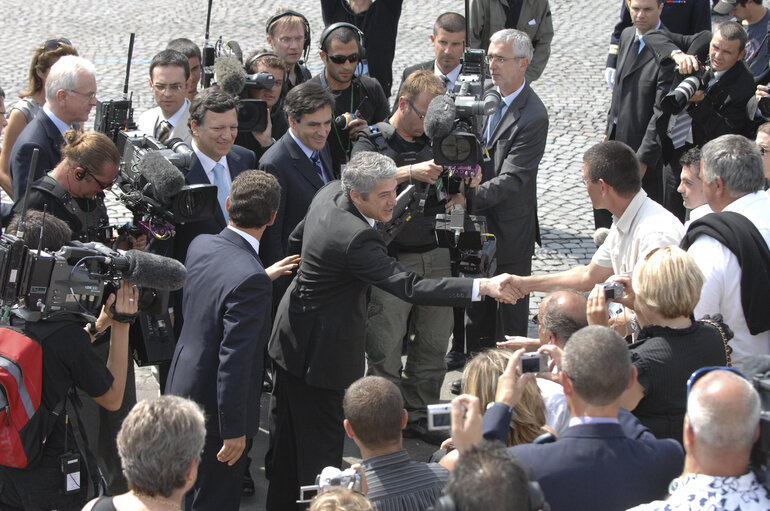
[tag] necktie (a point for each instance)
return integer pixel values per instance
(636, 47)
(680, 129)
(494, 120)
(222, 189)
(163, 130)
(445, 79)
(316, 159)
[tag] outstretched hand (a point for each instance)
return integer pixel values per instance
(500, 288)
(283, 267)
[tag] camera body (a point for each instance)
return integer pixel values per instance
(676, 100)
(473, 249)
(533, 363)
(439, 417)
(613, 290)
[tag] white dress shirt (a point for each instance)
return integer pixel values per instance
(208, 167)
(721, 293)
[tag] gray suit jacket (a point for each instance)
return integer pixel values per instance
(148, 123)
(507, 195)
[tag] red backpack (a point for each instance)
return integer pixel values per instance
(23, 421)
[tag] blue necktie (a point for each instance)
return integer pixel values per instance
(316, 159)
(222, 188)
(495, 119)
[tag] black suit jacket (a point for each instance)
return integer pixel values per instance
(611, 467)
(640, 84)
(218, 360)
(41, 133)
(320, 328)
(507, 195)
(299, 182)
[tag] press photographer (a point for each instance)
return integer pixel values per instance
(68, 361)
(402, 138)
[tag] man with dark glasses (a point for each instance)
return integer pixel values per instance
(720, 428)
(341, 51)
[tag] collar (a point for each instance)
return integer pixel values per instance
(370, 221)
(746, 202)
(207, 163)
(641, 36)
(579, 421)
(451, 76)
(305, 149)
(251, 240)
(696, 482)
(60, 125)
(624, 222)
(699, 212)
(394, 458)
(513, 95)
(720, 74)
(174, 119)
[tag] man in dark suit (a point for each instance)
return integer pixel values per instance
(448, 39)
(218, 360)
(515, 135)
(70, 91)
(317, 343)
(301, 161)
(605, 459)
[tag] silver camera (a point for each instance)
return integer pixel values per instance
(533, 363)
(439, 416)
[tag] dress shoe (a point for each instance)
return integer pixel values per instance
(419, 429)
(454, 360)
(247, 490)
(456, 387)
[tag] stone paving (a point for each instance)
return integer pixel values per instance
(572, 88)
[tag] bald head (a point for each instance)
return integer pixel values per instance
(562, 313)
(723, 412)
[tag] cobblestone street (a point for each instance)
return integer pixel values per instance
(572, 88)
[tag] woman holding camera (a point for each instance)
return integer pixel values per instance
(670, 345)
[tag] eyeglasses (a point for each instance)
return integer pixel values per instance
(54, 44)
(101, 185)
(535, 320)
(88, 95)
(340, 59)
(500, 60)
(421, 116)
(697, 375)
(174, 87)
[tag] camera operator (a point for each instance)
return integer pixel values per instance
(288, 34)
(259, 141)
(402, 139)
(69, 360)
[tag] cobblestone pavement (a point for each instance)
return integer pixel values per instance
(572, 89)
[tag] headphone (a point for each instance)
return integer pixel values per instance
(80, 174)
(334, 26)
(256, 57)
(536, 500)
(275, 17)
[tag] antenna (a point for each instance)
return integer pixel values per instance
(42, 225)
(467, 25)
(128, 62)
(30, 178)
(208, 21)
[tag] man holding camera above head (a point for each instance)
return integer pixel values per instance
(402, 138)
(515, 135)
(169, 82)
(70, 92)
(69, 361)
(720, 429)
(218, 360)
(318, 338)
(272, 64)
(341, 50)
(288, 34)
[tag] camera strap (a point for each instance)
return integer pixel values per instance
(80, 443)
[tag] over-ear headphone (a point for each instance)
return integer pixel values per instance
(334, 26)
(275, 17)
(256, 57)
(536, 500)
(80, 174)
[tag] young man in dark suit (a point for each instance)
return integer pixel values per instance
(318, 338)
(218, 361)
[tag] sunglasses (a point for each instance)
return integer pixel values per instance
(101, 185)
(340, 59)
(697, 375)
(53, 44)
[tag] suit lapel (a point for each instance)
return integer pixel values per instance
(57, 140)
(196, 175)
(625, 43)
(643, 58)
(304, 167)
(510, 116)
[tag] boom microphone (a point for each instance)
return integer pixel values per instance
(162, 174)
(153, 271)
(229, 74)
(440, 117)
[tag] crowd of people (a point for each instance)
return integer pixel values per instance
(295, 286)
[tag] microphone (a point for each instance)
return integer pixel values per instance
(229, 74)
(161, 174)
(151, 270)
(440, 117)
(600, 235)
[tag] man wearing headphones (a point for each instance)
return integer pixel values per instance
(342, 49)
(288, 34)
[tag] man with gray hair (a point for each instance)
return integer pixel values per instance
(515, 136)
(319, 332)
(70, 93)
(730, 247)
(720, 428)
(605, 459)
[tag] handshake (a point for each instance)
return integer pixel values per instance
(504, 288)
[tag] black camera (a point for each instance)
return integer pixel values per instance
(473, 249)
(676, 100)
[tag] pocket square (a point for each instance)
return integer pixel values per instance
(532, 22)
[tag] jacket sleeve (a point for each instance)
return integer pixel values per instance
(542, 44)
(623, 22)
(476, 21)
(649, 151)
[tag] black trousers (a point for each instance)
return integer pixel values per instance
(218, 486)
(488, 321)
(306, 435)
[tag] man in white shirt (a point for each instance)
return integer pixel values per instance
(733, 180)
(169, 81)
